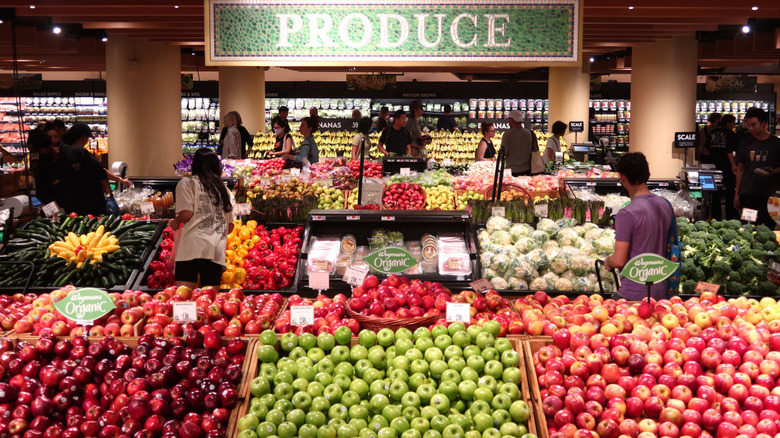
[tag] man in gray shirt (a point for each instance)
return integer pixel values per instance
(517, 144)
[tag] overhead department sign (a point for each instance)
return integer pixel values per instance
(301, 32)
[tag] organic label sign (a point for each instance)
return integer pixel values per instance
(648, 268)
(85, 305)
(306, 32)
(390, 260)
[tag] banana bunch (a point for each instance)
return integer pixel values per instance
(84, 248)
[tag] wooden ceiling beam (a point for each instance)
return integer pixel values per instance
(675, 4)
(691, 21)
(87, 4)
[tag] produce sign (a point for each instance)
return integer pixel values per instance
(390, 260)
(648, 269)
(85, 305)
(305, 32)
(83, 251)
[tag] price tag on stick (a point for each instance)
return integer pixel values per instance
(319, 280)
(147, 208)
(750, 215)
(355, 275)
(540, 210)
(481, 286)
(51, 209)
(405, 171)
(458, 312)
(498, 211)
(184, 311)
(301, 315)
(702, 287)
(243, 209)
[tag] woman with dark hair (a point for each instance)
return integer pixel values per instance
(364, 125)
(204, 206)
(554, 142)
(308, 151)
(485, 149)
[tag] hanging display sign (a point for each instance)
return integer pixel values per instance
(731, 84)
(415, 32)
(648, 268)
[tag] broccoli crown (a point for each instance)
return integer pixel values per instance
(715, 224)
(734, 288)
(735, 276)
(728, 235)
(688, 286)
(751, 272)
(734, 259)
(770, 245)
(764, 235)
(766, 288)
(747, 228)
(701, 226)
(732, 224)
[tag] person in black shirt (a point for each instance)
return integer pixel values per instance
(381, 121)
(397, 138)
(281, 118)
(246, 137)
(719, 154)
(447, 122)
(485, 149)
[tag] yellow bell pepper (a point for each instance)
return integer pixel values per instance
(240, 275)
(252, 225)
(245, 234)
(227, 277)
(248, 244)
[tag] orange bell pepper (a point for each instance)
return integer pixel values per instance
(227, 277)
(240, 276)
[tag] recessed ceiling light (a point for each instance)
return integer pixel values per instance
(592, 59)
(176, 6)
(1, 21)
(104, 39)
(755, 8)
(746, 29)
(631, 8)
(32, 6)
(56, 29)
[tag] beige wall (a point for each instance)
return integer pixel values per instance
(242, 89)
(144, 105)
(663, 100)
(569, 91)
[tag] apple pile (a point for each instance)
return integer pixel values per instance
(715, 376)
(181, 387)
(230, 314)
(404, 196)
(399, 297)
(488, 309)
(370, 169)
(329, 316)
(447, 382)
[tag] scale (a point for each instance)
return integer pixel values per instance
(702, 182)
(602, 155)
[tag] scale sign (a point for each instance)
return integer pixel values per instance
(649, 268)
(390, 260)
(685, 139)
(578, 126)
(84, 306)
(185, 311)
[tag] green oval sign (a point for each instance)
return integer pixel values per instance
(84, 306)
(648, 268)
(390, 260)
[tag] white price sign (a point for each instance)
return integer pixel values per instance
(458, 312)
(540, 210)
(184, 311)
(355, 275)
(301, 315)
(498, 211)
(507, 173)
(405, 171)
(295, 172)
(147, 208)
(243, 209)
(481, 286)
(319, 280)
(285, 178)
(750, 215)
(51, 209)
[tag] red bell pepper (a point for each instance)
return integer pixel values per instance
(167, 244)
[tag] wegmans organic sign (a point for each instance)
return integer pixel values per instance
(649, 268)
(85, 305)
(390, 260)
(330, 32)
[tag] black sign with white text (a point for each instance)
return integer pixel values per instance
(576, 126)
(685, 139)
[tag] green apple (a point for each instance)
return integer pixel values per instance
(339, 411)
(478, 406)
(461, 339)
(429, 412)
(483, 393)
(268, 401)
(397, 390)
(268, 337)
(343, 336)
(367, 433)
(387, 432)
(339, 354)
(296, 417)
(466, 389)
(485, 340)
(492, 327)
(377, 422)
(419, 366)
(491, 433)
(426, 392)
(259, 410)
(301, 383)
(357, 352)
(509, 429)
(360, 387)
(417, 379)
(439, 422)
(420, 424)
(501, 416)
(510, 358)
(301, 400)
(359, 412)
(259, 386)
(288, 341)
(391, 411)
(432, 434)
(453, 351)
(307, 341)
(284, 405)
(346, 430)
(320, 403)
(410, 413)
(471, 350)
(410, 399)
(414, 354)
(385, 337)
(512, 375)
(286, 430)
(477, 363)
(336, 422)
(350, 398)
(469, 373)
(473, 330)
(283, 391)
(249, 433)
(441, 402)
(327, 431)
(377, 403)
(451, 375)
(449, 388)
(332, 393)
(433, 353)
(266, 429)
(456, 327)
(472, 434)
(391, 353)
(437, 367)
(379, 386)
(315, 388)
(403, 345)
(461, 420)
(438, 330)
(296, 353)
(316, 418)
(358, 423)
(494, 369)
(411, 433)
(304, 361)
(482, 421)
(510, 390)
(501, 401)
(403, 333)
(456, 363)
(401, 363)
(326, 341)
(361, 366)
(400, 424)
(316, 354)
(519, 411)
(423, 344)
(324, 377)
(325, 366)
(503, 344)
(342, 381)
(275, 416)
(283, 377)
(373, 374)
(453, 431)
(377, 357)
(490, 353)
(398, 374)
(367, 338)
(421, 332)
(442, 342)
(344, 369)
(248, 421)
(488, 382)
(267, 354)
(307, 431)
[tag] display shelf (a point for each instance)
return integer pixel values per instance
(612, 185)
(200, 122)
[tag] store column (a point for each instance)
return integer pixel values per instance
(143, 90)
(663, 101)
(569, 91)
(242, 89)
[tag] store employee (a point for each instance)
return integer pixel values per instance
(396, 139)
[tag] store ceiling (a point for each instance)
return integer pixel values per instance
(610, 28)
